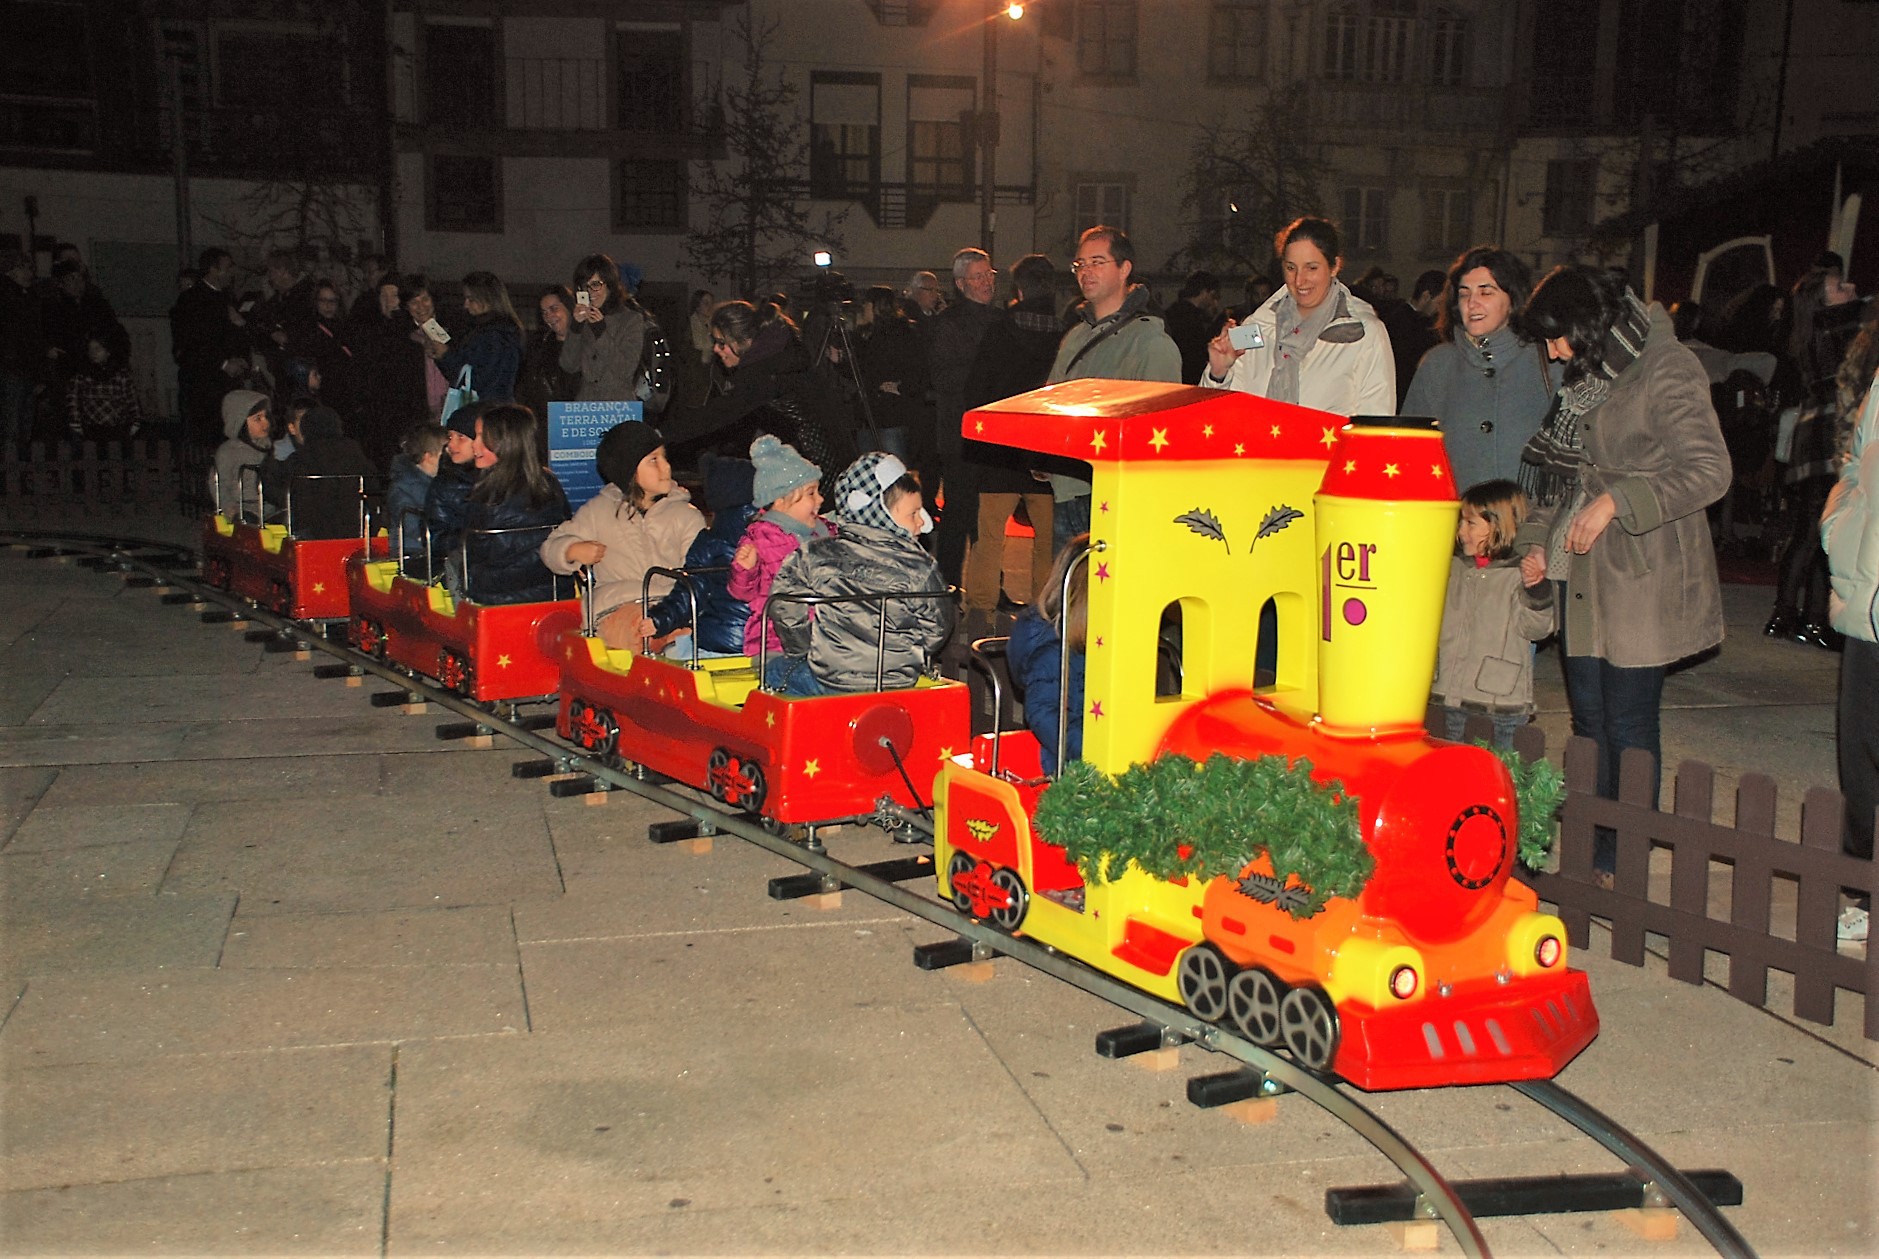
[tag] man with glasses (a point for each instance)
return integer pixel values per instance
(922, 298)
(953, 342)
(1113, 338)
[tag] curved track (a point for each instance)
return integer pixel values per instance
(1437, 1195)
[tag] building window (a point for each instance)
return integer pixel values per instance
(1236, 41)
(1571, 192)
(1447, 226)
(465, 193)
(45, 71)
(1448, 50)
(1565, 64)
(1366, 220)
(1106, 38)
(1372, 46)
(460, 76)
(283, 71)
(1102, 199)
(845, 134)
(939, 160)
(650, 196)
(652, 80)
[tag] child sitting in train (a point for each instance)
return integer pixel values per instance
(866, 644)
(448, 497)
(515, 501)
(250, 439)
(413, 469)
(641, 519)
(1490, 620)
(1035, 655)
(326, 507)
(722, 615)
(789, 486)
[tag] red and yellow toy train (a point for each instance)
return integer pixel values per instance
(1442, 970)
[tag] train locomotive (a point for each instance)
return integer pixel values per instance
(1212, 505)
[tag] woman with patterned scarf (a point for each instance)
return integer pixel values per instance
(1620, 474)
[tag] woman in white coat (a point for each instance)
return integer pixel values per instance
(1311, 343)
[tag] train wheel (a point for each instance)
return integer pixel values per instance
(721, 775)
(1012, 902)
(751, 787)
(957, 871)
(1309, 1024)
(1202, 981)
(592, 729)
(1253, 998)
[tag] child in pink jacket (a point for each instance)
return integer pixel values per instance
(790, 484)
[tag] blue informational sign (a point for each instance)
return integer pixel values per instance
(574, 430)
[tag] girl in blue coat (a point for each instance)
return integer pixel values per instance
(1035, 655)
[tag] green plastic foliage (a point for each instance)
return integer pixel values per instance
(1173, 818)
(1539, 790)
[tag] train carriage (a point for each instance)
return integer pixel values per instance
(297, 577)
(1210, 507)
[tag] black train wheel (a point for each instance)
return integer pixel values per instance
(1008, 913)
(1201, 979)
(1308, 1021)
(1253, 1000)
(956, 871)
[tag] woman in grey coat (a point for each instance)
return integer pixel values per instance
(1620, 474)
(1488, 385)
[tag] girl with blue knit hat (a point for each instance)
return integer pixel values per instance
(877, 552)
(789, 487)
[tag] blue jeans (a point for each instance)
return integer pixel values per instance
(1616, 708)
(791, 675)
(1068, 518)
(1454, 721)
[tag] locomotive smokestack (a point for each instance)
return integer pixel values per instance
(1386, 514)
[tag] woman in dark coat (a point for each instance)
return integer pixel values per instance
(543, 378)
(514, 491)
(491, 347)
(1620, 474)
(768, 388)
(388, 397)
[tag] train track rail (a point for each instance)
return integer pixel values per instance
(1649, 1179)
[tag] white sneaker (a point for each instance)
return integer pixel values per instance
(1853, 922)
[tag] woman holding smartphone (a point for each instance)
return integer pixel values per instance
(1311, 343)
(609, 332)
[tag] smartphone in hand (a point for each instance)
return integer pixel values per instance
(436, 331)
(1245, 336)
(582, 298)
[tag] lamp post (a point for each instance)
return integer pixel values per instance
(987, 120)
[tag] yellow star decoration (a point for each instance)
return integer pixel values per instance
(1207, 431)
(502, 662)
(978, 426)
(1097, 441)
(1275, 430)
(1159, 439)
(1350, 466)
(811, 768)
(319, 587)
(769, 719)
(1239, 448)
(1390, 469)
(1435, 469)
(1330, 437)
(946, 754)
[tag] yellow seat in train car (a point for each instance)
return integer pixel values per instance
(224, 526)
(726, 680)
(441, 601)
(380, 574)
(272, 537)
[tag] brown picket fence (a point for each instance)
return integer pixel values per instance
(70, 479)
(1736, 891)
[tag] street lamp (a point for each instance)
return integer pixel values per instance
(988, 120)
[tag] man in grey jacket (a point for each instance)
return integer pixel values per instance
(1113, 338)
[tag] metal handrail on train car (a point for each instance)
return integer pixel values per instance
(463, 553)
(981, 657)
(880, 638)
(260, 491)
(1063, 651)
(430, 572)
(680, 577)
(354, 477)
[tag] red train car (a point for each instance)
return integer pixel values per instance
(490, 653)
(302, 578)
(791, 759)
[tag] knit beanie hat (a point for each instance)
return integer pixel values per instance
(860, 487)
(463, 419)
(780, 470)
(622, 448)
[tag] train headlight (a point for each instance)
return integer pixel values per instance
(1548, 951)
(1536, 944)
(1403, 982)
